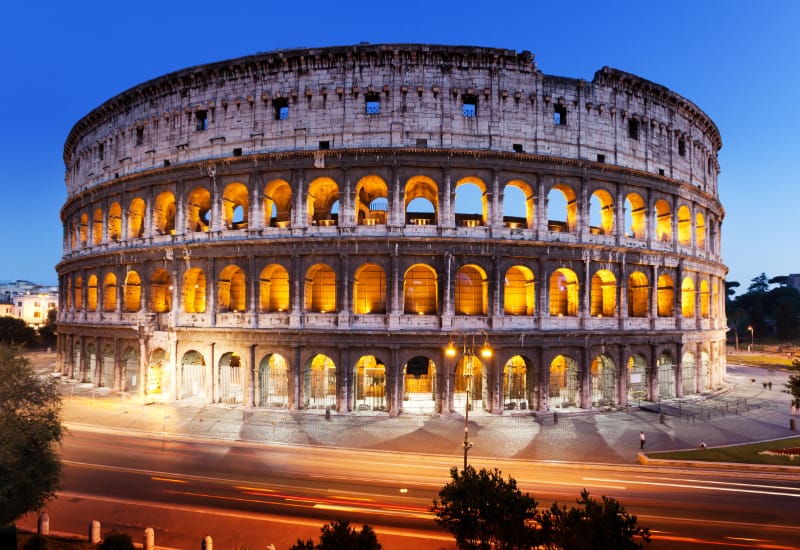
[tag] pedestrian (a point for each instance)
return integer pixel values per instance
(642, 439)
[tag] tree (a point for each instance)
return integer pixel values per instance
(793, 389)
(30, 428)
(482, 511)
(592, 526)
(759, 284)
(15, 331)
(338, 535)
(47, 332)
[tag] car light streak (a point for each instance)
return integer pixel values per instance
(735, 484)
(380, 512)
(168, 480)
(697, 486)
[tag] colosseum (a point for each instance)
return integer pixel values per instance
(393, 228)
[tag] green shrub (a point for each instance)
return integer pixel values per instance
(116, 541)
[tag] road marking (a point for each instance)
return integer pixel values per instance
(695, 486)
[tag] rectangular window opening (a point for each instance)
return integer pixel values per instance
(324, 145)
(601, 158)
(681, 147)
(517, 147)
(237, 152)
(139, 136)
(633, 129)
(469, 107)
(166, 163)
(373, 103)
(201, 120)
(422, 142)
(281, 106)
(660, 171)
(560, 115)
(101, 150)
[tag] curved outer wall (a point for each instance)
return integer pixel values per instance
(250, 231)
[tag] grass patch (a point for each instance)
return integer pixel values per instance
(742, 454)
(760, 360)
(57, 543)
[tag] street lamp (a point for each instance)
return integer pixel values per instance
(750, 328)
(486, 352)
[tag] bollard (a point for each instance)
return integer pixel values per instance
(662, 419)
(555, 418)
(792, 424)
(43, 527)
(149, 539)
(270, 547)
(327, 413)
(208, 544)
(94, 532)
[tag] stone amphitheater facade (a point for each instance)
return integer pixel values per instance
(346, 228)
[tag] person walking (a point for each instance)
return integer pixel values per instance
(642, 440)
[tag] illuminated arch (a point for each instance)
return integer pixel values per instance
(704, 299)
(323, 193)
(369, 290)
(635, 216)
(235, 206)
(161, 291)
(604, 294)
(194, 291)
(110, 293)
(687, 297)
(470, 206)
(637, 378)
(231, 290)
(114, 222)
(232, 370)
(666, 296)
(518, 204)
(198, 210)
(156, 374)
(601, 213)
(688, 373)
(273, 377)
(319, 377)
(470, 376)
(372, 196)
(97, 227)
(423, 192)
(277, 204)
(666, 376)
(136, 219)
(320, 289)
(562, 209)
(563, 382)
(193, 375)
(519, 291)
(132, 293)
(273, 289)
(369, 389)
(638, 295)
(564, 293)
(663, 221)
(83, 229)
(603, 372)
(515, 383)
(471, 291)
(700, 228)
(420, 290)
(684, 226)
(164, 213)
(91, 293)
(419, 385)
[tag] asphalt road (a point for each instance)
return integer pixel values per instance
(250, 495)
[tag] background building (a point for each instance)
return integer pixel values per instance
(313, 228)
(28, 301)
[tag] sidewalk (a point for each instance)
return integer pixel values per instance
(745, 412)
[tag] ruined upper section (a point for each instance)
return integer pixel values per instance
(393, 96)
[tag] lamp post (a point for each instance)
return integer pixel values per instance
(468, 357)
(750, 328)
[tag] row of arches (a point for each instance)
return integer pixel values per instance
(370, 292)
(422, 384)
(424, 201)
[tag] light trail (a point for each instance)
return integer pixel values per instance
(696, 486)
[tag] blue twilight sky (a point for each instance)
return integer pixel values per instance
(737, 60)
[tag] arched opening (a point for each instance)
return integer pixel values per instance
(91, 364)
(130, 369)
(470, 205)
(78, 293)
(273, 289)
(706, 378)
(231, 378)
(564, 293)
(323, 193)
(638, 295)
(666, 376)
(198, 210)
(688, 373)
(161, 291)
(519, 291)
(420, 291)
(277, 204)
(663, 221)
(91, 293)
(97, 227)
(635, 217)
(107, 367)
(562, 209)
(76, 362)
(194, 291)
(666, 296)
(371, 201)
(136, 219)
(110, 293)
(637, 378)
(193, 376)
(369, 292)
(684, 226)
(564, 382)
(515, 384)
(164, 213)
(231, 290)
(687, 297)
(471, 291)
(601, 213)
(114, 222)
(73, 235)
(235, 206)
(132, 293)
(369, 390)
(700, 230)
(603, 374)
(68, 295)
(518, 205)
(419, 385)
(273, 376)
(704, 299)
(156, 374)
(470, 376)
(320, 289)
(604, 294)
(320, 382)
(84, 230)
(421, 201)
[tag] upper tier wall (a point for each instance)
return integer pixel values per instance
(233, 108)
